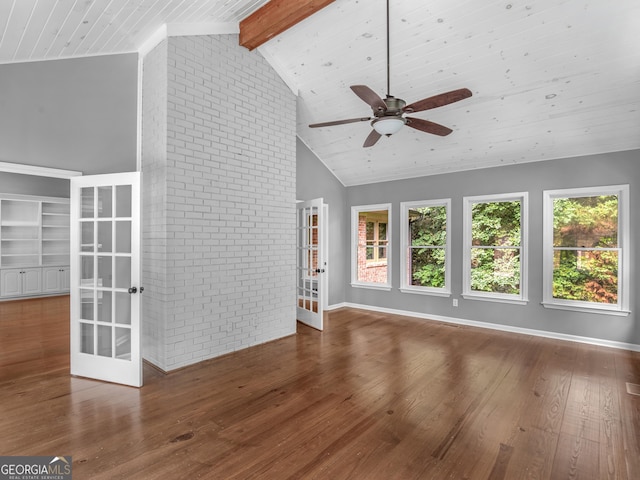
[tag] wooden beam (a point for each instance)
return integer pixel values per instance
(274, 18)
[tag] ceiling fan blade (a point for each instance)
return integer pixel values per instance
(428, 127)
(340, 122)
(438, 100)
(370, 97)
(371, 139)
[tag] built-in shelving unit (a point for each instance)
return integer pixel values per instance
(55, 233)
(34, 234)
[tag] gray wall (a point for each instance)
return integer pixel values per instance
(607, 169)
(75, 114)
(317, 181)
(594, 170)
(33, 185)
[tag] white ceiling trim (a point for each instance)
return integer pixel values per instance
(213, 28)
(187, 29)
(69, 57)
(39, 171)
(153, 41)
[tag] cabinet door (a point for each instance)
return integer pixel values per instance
(31, 281)
(51, 279)
(11, 282)
(64, 279)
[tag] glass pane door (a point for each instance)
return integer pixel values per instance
(310, 265)
(105, 307)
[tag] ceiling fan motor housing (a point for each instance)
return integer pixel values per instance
(394, 107)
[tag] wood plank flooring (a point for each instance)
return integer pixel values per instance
(374, 396)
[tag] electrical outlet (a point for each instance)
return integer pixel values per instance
(455, 302)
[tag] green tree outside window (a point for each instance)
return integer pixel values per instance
(428, 237)
(586, 253)
(495, 250)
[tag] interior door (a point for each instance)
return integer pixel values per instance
(311, 264)
(105, 278)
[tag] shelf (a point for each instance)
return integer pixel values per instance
(28, 247)
(50, 208)
(18, 223)
(35, 231)
(55, 221)
(19, 212)
(19, 261)
(53, 260)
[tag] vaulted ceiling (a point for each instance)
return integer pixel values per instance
(550, 78)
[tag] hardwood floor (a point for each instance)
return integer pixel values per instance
(374, 396)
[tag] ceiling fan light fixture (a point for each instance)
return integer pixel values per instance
(388, 125)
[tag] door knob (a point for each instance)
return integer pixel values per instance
(133, 290)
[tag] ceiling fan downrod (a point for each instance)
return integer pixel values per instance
(388, 56)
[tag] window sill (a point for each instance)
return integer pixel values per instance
(373, 264)
(372, 286)
(424, 291)
(497, 299)
(587, 309)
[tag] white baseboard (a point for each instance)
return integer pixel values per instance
(337, 306)
(493, 326)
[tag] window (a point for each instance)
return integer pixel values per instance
(495, 255)
(426, 246)
(376, 239)
(585, 241)
(371, 262)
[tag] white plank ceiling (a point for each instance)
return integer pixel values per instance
(550, 78)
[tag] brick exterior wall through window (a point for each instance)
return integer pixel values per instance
(368, 271)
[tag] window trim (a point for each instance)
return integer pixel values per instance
(467, 293)
(405, 286)
(622, 307)
(355, 211)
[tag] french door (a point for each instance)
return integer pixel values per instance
(105, 278)
(311, 264)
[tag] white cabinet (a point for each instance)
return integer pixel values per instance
(55, 279)
(15, 282)
(11, 282)
(34, 245)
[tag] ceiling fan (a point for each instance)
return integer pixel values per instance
(388, 114)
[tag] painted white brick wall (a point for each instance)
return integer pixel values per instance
(154, 179)
(230, 201)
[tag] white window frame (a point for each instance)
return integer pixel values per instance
(355, 213)
(405, 284)
(622, 307)
(467, 293)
